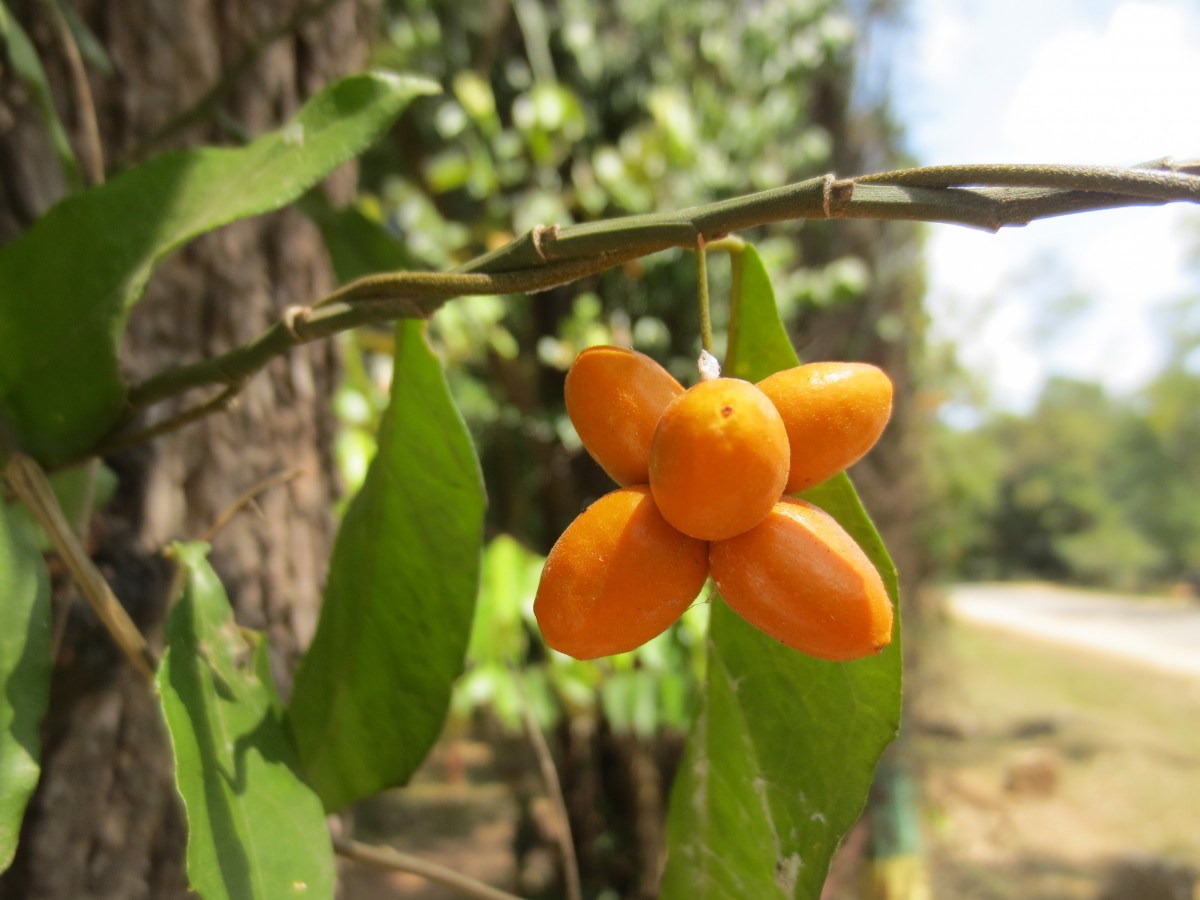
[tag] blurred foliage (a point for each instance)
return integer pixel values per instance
(1085, 488)
(651, 688)
(603, 108)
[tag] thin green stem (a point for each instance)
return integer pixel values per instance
(85, 107)
(706, 335)
(984, 196)
(396, 861)
(121, 440)
(531, 19)
(1162, 180)
(244, 499)
(735, 302)
(732, 245)
(545, 760)
(28, 481)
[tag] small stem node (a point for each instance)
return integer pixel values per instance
(294, 318)
(542, 236)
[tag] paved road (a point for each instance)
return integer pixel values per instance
(1164, 634)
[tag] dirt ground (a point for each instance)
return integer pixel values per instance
(1046, 774)
(463, 810)
(1056, 773)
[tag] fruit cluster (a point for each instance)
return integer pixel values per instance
(703, 476)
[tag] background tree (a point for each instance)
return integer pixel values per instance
(1084, 488)
(106, 820)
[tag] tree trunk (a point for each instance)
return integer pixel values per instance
(106, 821)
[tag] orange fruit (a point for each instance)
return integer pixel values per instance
(834, 413)
(618, 576)
(799, 577)
(719, 460)
(614, 398)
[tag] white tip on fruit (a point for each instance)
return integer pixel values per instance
(710, 367)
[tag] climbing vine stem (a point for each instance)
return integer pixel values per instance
(989, 197)
(706, 332)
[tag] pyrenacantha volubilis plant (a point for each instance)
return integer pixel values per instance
(738, 478)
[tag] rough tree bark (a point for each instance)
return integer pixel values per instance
(106, 821)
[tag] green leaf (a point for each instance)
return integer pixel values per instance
(24, 671)
(781, 756)
(508, 584)
(372, 691)
(23, 58)
(255, 830)
(358, 244)
(60, 323)
(758, 342)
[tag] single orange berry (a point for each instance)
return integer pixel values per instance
(834, 413)
(799, 577)
(719, 459)
(618, 576)
(614, 398)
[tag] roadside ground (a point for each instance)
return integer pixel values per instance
(1050, 771)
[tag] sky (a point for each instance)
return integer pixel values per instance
(1055, 81)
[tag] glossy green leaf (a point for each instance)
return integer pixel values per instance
(372, 691)
(24, 671)
(758, 342)
(255, 830)
(23, 58)
(60, 323)
(782, 754)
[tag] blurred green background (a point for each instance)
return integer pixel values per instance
(572, 111)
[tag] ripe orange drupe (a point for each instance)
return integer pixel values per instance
(719, 459)
(834, 413)
(618, 576)
(704, 472)
(615, 398)
(799, 577)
